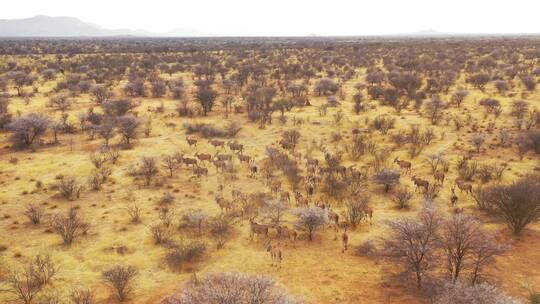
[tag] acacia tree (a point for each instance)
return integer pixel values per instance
(388, 178)
(28, 128)
(517, 203)
(413, 242)
(206, 96)
(311, 219)
(128, 126)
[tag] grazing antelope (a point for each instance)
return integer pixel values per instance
(189, 161)
(286, 233)
(420, 183)
(224, 157)
(224, 204)
(244, 158)
(256, 228)
(203, 156)
(234, 146)
(344, 241)
(275, 254)
(219, 164)
(191, 141)
(439, 177)
(200, 171)
(217, 143)
(463, 186)
(403, 164)
(453, 198)
(297, 155)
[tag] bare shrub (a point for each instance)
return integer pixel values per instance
(134, 213)
(69, 227)
(69, 187)
(221, 229)
(459, 293)
(232, 288)
(27, 129)
(161, 233)
(387, 177)
(366, 249)
(356, 210)
(34, 213)
(82, 296)
(195, 219)
(121, 279)
(402, 196)
(148, 169)
(185, 252)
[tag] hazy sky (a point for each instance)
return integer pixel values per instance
(293, 17)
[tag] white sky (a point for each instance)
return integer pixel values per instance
(293, 17)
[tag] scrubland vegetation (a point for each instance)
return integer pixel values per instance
(282, 170)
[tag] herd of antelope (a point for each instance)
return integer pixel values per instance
(277, 234)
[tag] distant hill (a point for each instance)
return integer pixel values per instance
(45, 26)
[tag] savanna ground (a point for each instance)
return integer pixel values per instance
(316, 270)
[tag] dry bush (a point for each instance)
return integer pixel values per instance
(207, 130)
(34, 213)
(134, 213)
(82, 296)
(366, 249)
(161, 233)
(356, 210)
(121, 279)
(459, 293)
(402, 196)
(69, 227)
(518, 204)
(69, 187)
(387, 177)
(185, 252)
(232, 288)
(195, 219)
(221, 229)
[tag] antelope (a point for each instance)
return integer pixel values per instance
(310, 188)
(219, 164)
(287, 233)
(217, 143)
(257, 228)
(275, 254)
(300, 199)
(223, 204)
(312, 162)
(403, 164)
(236, 146)
(253, 170)
(189, 161)
(200, 171)
(285, 196)
(369, 213)
(191, 141)
(275, 185)
(344, 241)
(420, 183)
(334, 217)
(203, 156)
(244, 158)
(463, 186)
(453, 198)
(224, 157)
(439, 177)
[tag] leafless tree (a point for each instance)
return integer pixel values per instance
(128, 126)
(413, 242)
(82, 296)
(388, 178)
(69, 227)
(27, 129)
(121, 279)
(311, 219)
(148, 169)
(402, 196)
